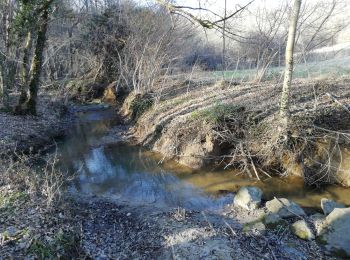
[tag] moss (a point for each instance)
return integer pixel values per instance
(279, 223)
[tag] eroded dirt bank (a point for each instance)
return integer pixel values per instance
(234, 125)
(38, 225)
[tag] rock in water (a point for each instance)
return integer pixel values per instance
(335, 233)
(328, 205)
(284, 208)
(248, 198)
(302, 230)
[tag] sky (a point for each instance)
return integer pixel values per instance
(217, 6)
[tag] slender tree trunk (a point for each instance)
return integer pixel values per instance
(284, 112)
(3, 82)
(35, 70)
(24, 74)
(4, 63)
(223, 61)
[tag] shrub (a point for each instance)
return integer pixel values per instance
(140, 105)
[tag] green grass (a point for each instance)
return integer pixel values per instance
(64, 245)
(216, 113)
(10, 200)
(140, 105)
(335, 67)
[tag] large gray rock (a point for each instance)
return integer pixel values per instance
(335, 233)
(248, 198)
(328, 205)
(302, 230)
(284, 208)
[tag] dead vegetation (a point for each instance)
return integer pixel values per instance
(29, 134)
(234, 125)
(35, 222)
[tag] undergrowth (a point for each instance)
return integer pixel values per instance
(64, 245)
(217, 113)
(140, 105)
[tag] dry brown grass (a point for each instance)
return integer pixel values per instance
(188, 126)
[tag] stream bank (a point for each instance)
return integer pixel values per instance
(80, 224)
(204, 124)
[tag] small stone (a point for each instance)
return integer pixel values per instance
(248, 198)
(302, 230)
(22, 246)
(328, 205)
(284, 208)
(255, 227)
(128, 215)
(11, 231)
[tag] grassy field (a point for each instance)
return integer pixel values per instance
(330, 68)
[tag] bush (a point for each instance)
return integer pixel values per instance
(140, 105)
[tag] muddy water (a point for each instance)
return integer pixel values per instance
(135, 175)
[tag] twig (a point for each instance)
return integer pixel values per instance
(206, 219)
(253, 165)
(337, 101)
(230, 228)
(286, 207)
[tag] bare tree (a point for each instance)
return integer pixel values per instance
(288, 74)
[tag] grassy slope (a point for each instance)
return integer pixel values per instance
(334, 67)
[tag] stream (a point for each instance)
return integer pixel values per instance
(135, 175)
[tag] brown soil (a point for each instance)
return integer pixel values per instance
(178, 126)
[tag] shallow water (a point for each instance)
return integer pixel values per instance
(133, 174)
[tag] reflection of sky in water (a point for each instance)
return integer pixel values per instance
(102, 176)
(126, 172)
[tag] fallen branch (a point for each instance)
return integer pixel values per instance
(332, 97)
(286, 207)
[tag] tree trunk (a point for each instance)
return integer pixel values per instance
(284, 111)
(4, 63)
(3, 83)
(24, 74)
(35, 70)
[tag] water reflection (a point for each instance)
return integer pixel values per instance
(133, 174)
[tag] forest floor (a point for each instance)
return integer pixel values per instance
(25, 134)
(98, 228)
